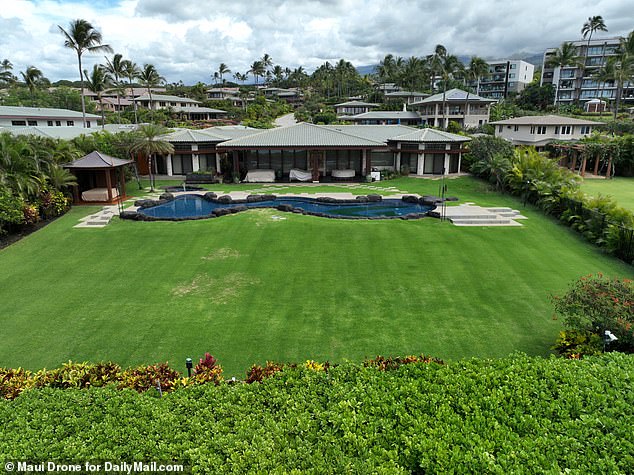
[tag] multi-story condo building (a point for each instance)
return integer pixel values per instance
(578, 84)
(505, 77)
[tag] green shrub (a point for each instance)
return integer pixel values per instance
(147, 377)
(592, 305)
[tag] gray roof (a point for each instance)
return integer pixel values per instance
(430, 135)
(302, 135)
(546, 120)
(377, 115)
(42, 112)
(357, 104)
(64, 133)
(166, 98)
(193, 136)
(193, 109)
(232, 131)
(97, 160)
(378, 133)
(453, 95)
(406, 94)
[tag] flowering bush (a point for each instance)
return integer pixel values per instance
(30, 213)
(594, 304)
(207, 371)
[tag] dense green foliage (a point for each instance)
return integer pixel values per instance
(251, 288)
(594, 304)
(513, 415)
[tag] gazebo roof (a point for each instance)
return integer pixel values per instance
(97, 160)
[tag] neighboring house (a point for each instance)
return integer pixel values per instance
(387, 87)
(113, 104)
(384, 118)
(408, 97)
(505, 77)
(291, 96)
(226, 94)
(13, 116)
(431, 111)
(568, 82)
(184, 106)
(540, 130)
(354, 108)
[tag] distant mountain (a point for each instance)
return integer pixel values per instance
(363, 70)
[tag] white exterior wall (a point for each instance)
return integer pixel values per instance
(523, 133)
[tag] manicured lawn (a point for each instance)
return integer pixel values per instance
(620, 188)
(249, 288)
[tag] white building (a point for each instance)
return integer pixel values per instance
(13, 116)
(540, 130)
(181, 105)
(505, 76)
(572, 83)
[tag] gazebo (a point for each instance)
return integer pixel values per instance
(96, 174)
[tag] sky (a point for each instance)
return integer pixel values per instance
(186, 40)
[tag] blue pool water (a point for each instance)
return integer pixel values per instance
(193, 206)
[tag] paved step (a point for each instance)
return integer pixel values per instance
(480, 222)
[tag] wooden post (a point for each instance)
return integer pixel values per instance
(582, 171)
(574, 162)
(109, 184)
(122, 178)
(596, 165)
(609, 171)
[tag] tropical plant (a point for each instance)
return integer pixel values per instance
(97, 81)
(32, 77)
(131, 71)
(82, 37)
(149, 77)
(257, 69)
(222, 70)
(565, 55)
(6, 76)
(149, 143)
(477, 68)
(116, 69)
(594, 23)
(623, 67)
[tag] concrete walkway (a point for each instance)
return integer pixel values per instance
(286, 120)
(99, 219)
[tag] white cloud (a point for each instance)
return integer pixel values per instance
(187, 40)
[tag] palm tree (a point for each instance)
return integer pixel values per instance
(116, 70)
(594, 23)
(131, 71)
(97, 81)
(436, 60)
(32, 77)
(149, 77)
(450, 68)
(605, 74)
(257, 69)
(267, 61)
(565, 55)
(6, 76)
(478, 67)
(82, 37)
(623, 67)
(59, 177)
(149, 144)
(222, 70)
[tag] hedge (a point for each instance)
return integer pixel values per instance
(513, 415)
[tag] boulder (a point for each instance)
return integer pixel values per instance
(374, 198)
(129, 215)
(361, 199)
(285, 207)
(167, 196)
(410, 199)
(225, 199)
(210, 196)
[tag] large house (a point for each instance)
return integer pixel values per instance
(354, 108)
(313, 152)
(383, 118)
(576, 83)
(468, 110)
(13, 116)
(406, 96)
(540, 130)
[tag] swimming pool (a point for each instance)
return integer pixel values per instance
(196, 207)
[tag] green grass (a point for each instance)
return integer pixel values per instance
(249, 288)
(620, 188)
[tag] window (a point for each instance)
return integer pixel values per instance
(70, 123)
(512, 75)
(87, 124)
(516, 128)
(556, 130)
(585, 129)
(565, 130)
(513, 66)
(49, 123)
(541, 130)
(58, 123)
(499, 129)
(162, 104)
(532, 129)
(33, 123)
(18, 122)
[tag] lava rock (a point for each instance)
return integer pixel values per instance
(410, 199)
(374, 198)
(210, 196)
(285, 207)
(167, 196)
(225, 199)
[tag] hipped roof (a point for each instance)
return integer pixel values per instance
(97, 160)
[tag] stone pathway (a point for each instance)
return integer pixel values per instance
(468, 214)
(99, 219)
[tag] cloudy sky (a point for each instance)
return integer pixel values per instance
(187, 39)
